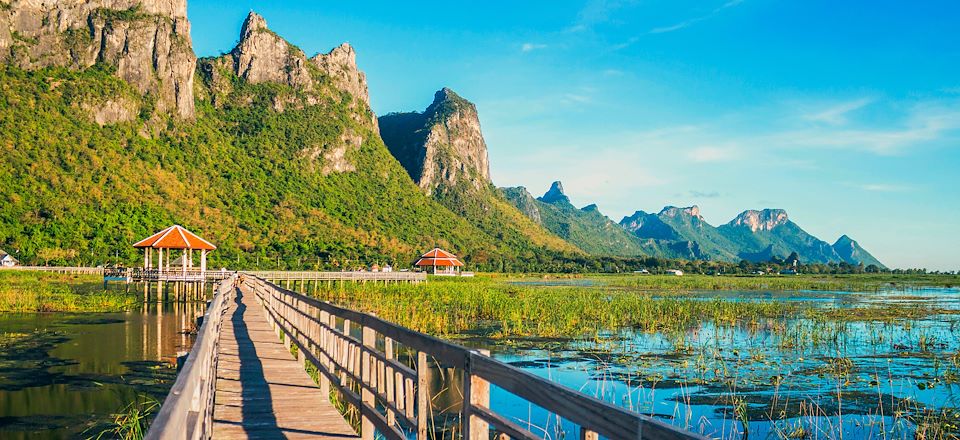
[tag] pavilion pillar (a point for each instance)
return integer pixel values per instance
(203, 261)
(183, 260)
(146, 258)
(160, 259)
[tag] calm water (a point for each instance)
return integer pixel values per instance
(778, 378)
(64, 375)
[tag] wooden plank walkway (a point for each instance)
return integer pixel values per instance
(262, 391)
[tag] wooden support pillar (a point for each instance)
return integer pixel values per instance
(477, 393)
(368, 338)
(203, 262)
(160, 259)
(423, 396)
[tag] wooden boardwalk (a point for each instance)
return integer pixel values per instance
(262, 391)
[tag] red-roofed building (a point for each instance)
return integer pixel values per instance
(175, 237)
(448, 263)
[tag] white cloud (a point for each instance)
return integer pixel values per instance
(883, 187)
(530, 47)
(712, 154)
(837, 113)
(687, 23)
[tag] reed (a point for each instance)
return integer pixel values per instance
(28, 291)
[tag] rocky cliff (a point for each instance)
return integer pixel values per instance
(442, 147)
(523, 201)
(146, 41)
(763, 220)
(262, 56)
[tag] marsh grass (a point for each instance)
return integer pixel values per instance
(847, 283)
(29, 291)
(452, 307)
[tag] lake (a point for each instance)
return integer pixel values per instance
(64, 375)
(812, 376)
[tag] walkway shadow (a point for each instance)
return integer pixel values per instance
(259, 421)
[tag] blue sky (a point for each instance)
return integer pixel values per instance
(846, 114)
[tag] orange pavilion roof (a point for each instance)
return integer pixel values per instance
(438, 257)
(175, 237)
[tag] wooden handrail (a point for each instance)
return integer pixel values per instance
(393, 398)
(187, 412)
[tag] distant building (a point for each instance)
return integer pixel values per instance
(442, 262)
(789, 272)
(7, 260)
(387, 268)
(674, 272)
(642, 272)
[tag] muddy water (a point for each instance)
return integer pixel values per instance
(65, 375)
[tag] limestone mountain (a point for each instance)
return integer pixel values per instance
(444, 152)
(754, 235)
(282, 161)
(144, 42)
(587, 228)
(770, 231)
(442, 146)
(851, 252)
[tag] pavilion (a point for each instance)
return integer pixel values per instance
(437, 257)
(175, 237)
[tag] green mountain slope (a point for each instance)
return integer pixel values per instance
(444, 152)
(287, 167)
(760, 234)
(851, 252)
(587, 228)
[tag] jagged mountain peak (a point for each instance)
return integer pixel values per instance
(673, 211)
(591, 208)
(441, 147)
(254, 22)
(762, 220)
(555, 194)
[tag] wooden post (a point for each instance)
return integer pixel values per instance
(586, 434)
(423, 396)
(390, 385)
(160, 259)
(324, 380)
(203, 262)
(479, 394)
(366, 396)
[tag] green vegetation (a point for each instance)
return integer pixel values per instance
(28, 291)
(849, 283)
(449, 306)
(244, 175)
(132, 422)
(552, 306)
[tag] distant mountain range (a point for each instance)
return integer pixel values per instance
(114, 129)
(674, 232)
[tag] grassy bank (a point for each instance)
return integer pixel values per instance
(29, 291)
(849, 283)
(446, 306)
(552, 307)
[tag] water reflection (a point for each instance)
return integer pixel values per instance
(63, 375)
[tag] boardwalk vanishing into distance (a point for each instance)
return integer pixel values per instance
(262, 391)
(246, 377)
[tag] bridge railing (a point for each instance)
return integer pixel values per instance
(276, 276)
(187, 412)
(383, 370)
(80, 270)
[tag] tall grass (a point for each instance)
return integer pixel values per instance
(447, 307)
(29, 291)
(849, 283)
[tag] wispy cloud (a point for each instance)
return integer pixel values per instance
(712, 154)
(883, 187)
(691, 21)
(703, 194)
(596, 12)
(837, 114)
(530, 47)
